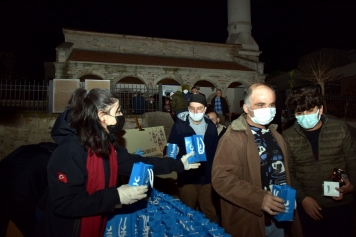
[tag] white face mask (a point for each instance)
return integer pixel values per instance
(263, 116)
(185, 91)
(196, 117)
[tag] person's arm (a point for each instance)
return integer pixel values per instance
(292, 174)
(160, 165)
(349, 151)
(227, 172)
(212, 103)
(174, 103)
(67, 178)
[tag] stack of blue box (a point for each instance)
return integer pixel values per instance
(160, 215)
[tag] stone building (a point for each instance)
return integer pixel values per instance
(115, 57)
(150, 61)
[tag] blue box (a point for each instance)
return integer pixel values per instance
(120, 224)
(140, 174)
(195, 143)
(172, 150)
(288, 194)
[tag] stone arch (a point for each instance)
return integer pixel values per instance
(168, 81)
(129, 80)
(205, 83)
(90, 77)
(235, 84)
(126, 86)
(237, 100)
(123, 84)
(88, 73)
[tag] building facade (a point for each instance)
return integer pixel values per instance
(116, 57)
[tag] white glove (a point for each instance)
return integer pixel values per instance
(187, 166)
(131, 194)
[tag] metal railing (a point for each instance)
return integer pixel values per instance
(342, 106)
(138, 98)
(34, 96)
(24, 95)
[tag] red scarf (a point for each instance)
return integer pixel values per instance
(95, 225)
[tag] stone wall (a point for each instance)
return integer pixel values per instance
(150, 46)
(17, 129)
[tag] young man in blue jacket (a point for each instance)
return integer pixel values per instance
(195, 186)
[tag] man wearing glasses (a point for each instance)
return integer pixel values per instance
(195, 187)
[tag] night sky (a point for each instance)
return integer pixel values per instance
(284, 29)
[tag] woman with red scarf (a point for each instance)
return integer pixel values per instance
(83, 170)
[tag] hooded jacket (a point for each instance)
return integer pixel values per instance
(68, 199)
(181, 129)
(236, 177)
(178, 102)
(337, 149)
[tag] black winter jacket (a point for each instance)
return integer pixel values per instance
(182, 129)
(337, 149)
(70, 201)
(25, 170)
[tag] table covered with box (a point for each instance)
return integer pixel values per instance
(160, 215)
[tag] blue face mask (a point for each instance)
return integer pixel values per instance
(308, 121)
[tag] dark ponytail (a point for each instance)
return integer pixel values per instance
(84, 118)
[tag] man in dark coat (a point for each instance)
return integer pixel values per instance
(195, 90)
(138, 103)
(196, 185)
(220, 106)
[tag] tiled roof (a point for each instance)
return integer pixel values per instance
(109, 57)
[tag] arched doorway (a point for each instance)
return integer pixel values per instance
(235, 92)
(206, 88)
(90, 77)
(168, 82)
(127, 88)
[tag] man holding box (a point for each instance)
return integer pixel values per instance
(196, 185)
(250, 158)
(318, 144)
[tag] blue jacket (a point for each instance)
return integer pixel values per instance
(139, 104)
(182, 129)
(187, 97)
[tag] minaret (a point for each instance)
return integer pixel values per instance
(239, 27)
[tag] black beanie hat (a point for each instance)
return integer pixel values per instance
(198, 99)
